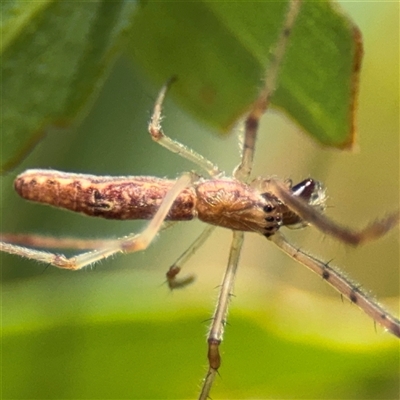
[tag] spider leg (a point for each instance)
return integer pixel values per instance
(242, 172)
(65, 242)
(176, 267)
(128, 244)
(216, 332)
(244, 169)
(158, 136)
(174, 146)
(309, 214)
(342, 284)
(48, 242)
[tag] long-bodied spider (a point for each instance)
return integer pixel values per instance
(238, 203)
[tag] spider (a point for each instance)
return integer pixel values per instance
(238, 203)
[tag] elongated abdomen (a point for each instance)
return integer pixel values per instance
(127, 197)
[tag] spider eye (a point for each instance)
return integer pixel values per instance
(312, 191)
(305, 189)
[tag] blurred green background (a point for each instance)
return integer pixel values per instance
(115, 331)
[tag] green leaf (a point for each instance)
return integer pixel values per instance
(219, 51)
(54, 56)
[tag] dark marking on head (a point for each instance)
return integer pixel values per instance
(270, 219)
(268, 208)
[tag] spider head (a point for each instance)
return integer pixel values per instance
(309, 191)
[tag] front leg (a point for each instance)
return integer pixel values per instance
(313, 216)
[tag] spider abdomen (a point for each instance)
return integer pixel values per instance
(129, 197)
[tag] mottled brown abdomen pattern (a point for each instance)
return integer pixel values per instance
(107, 197)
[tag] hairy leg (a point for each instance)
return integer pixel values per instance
(242, 172)
(342, 284)
(252, 121)
(158, 136)
(176, 267)
(128, 244)
(219, 318)
(311, 215)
